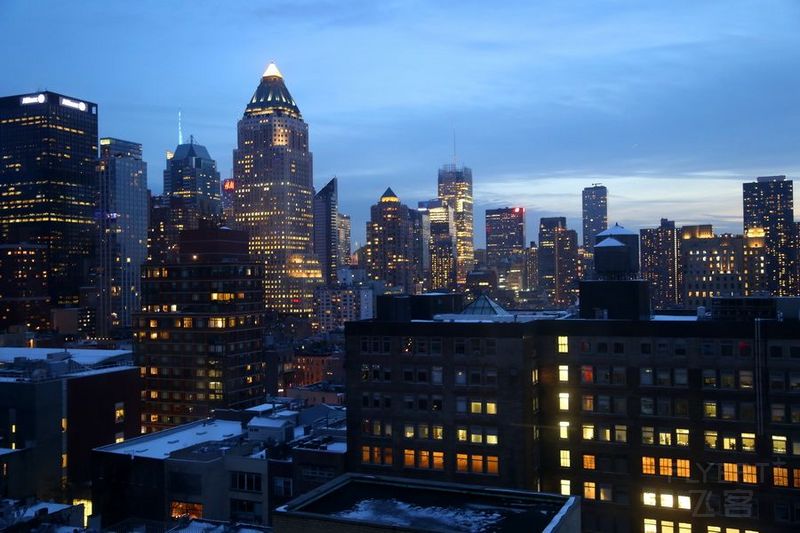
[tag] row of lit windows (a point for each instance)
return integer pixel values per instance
(604, 433)
(667, 466)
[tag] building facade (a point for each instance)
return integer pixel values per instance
(123, 227)
(274, 195)
(24, 296)
(200, 336)
(326, 230)
(191, 177)
(345, 247)
(390, 243)
(48, 182)
(595, 214)
(441, 272)
(659, 249)
(455, 188)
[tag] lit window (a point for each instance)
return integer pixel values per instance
(409, 431)
(682, 467)
(729, 443)
(564, 458)
(667, 500)
(438, 432)
(475, 407)
(748, 442)
(119, 437)
(476, 435)
(710, 409)
(665, 438)
(565, 489)
(650, 525)
(648, 465)
(492, 464)
(461, 434)
(749, 474)
(119, 412)
(588, 431)
(685, 502)
(710, 438)
(780, 476)
(438, 460)
(476, 462)
(563, 344)
(682, 437)
(563, 430)
(649, 498)
(563, 373)
(730, 472)
(621, 433)
(491, 408)
(491, 436)
(589, 490)
(665, 466)
(779, 444)
(588, 462)
(563, 401)
(408, 458)
(461, 462)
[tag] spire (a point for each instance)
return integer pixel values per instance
(272, 71)
(389, 193)
(180, 129)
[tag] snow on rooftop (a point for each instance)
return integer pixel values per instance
(675, 318)
(84, 356)
(267, 422)
(160, 445)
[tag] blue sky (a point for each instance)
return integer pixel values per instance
(671, 105)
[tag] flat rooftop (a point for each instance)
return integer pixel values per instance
(163, 443)
(84, 356)
(417, 505)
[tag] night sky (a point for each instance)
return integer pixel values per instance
(670, 104)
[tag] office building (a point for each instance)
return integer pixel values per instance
(710, 265)
(660, 263)
(228, 200)
(326, 231)
(123, 227)
(192, 176)
(58, 404)
(595, 214)
(455, 188)
(24, 300)
(659, 424)
(557, 261)
(345, 249)
(274, 195)
(390, 243)
(532, 267)
(505, 235)
(769, 207)
(48, 182)
(199, 338)
(441, 271)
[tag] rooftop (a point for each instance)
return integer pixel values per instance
(84, 356)
(160, 445)
(426, 506)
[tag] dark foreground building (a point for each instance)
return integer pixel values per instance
(663, 423)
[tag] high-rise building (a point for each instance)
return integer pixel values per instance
(24, 300)
(532, 267)
(389, 248)
(754, 263)
(326, 230)
(274, 194)
(769, 207)
(199, 339)
(505, 235)
(441, 244)
(192, 183)
(710, 265)
(548, 274)
(123, 226)
(162, 235)
(48, 182)
(567, 267)
(595, 214)
(345, 250)
(455, 187)
(228, 200)
(659, 252)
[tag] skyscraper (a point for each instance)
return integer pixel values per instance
(48, 182)
(199, 338)
(441, 244)
(595, 213)
(709, 265)
(192, 180)
(326, 230)
(390, 243)
(505, 235)
(345, 247)
(455, 187)
(558, 261)
(274, 193)
(769, 207)
(659, 252)
(123, 220)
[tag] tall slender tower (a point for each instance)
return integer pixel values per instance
(660, 263)
(274, 195)
(595, 214)
(326, 230)
(124, 213)
(389, 245)
(455, 188)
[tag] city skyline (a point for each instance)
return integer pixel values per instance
(586, 118)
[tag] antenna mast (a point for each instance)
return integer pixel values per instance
(180, 129)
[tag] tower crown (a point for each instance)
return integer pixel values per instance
(272, 96)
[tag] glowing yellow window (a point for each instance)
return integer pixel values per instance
(563, 401)
(588, 431)
(461, 462)
(682, 467)
(648, 465)
(475, 407)
(749, 474)
(563, 344)
(665, 466)
(563, 373)
(564, 458)
(779, 444)
(588, 462)
(565, 488)
(684, 527)
(63, 460)
(492, 464)
(682, 437)
(730, 472)
(563, 430)
(685, 502)
(461, 434)
(650, 525)
(408, 458)
(780, 476)
(589, 490)
(477, 464)
(667, 500)
(649, 498)
(491, 408)
(438, 460)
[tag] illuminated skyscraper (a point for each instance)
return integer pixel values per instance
(123, 220)
(228, 200)
(595, 214)
(769, 207)
(441, 244)
(505, 235)
(326, 230)
(659, 252)
(274, 194)
(345, 249)
(710, 265)
(558, 261)
(48, 182)
(455, 187)
(389, 248)
(191, 182)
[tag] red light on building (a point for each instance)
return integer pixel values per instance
(229, 185)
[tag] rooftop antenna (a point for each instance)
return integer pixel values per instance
(180, 129)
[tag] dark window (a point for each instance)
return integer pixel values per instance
(246, 481)
(647, 348)
(619, 347)
(726, 349)
(681, 407)
(602, 347)
(776, 351)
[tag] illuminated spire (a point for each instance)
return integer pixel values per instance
(272, 71)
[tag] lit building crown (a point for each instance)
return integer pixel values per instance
(272, 96)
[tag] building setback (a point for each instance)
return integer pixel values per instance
(123, 226)
(48, 182)
(648, 420)
(199, 337)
